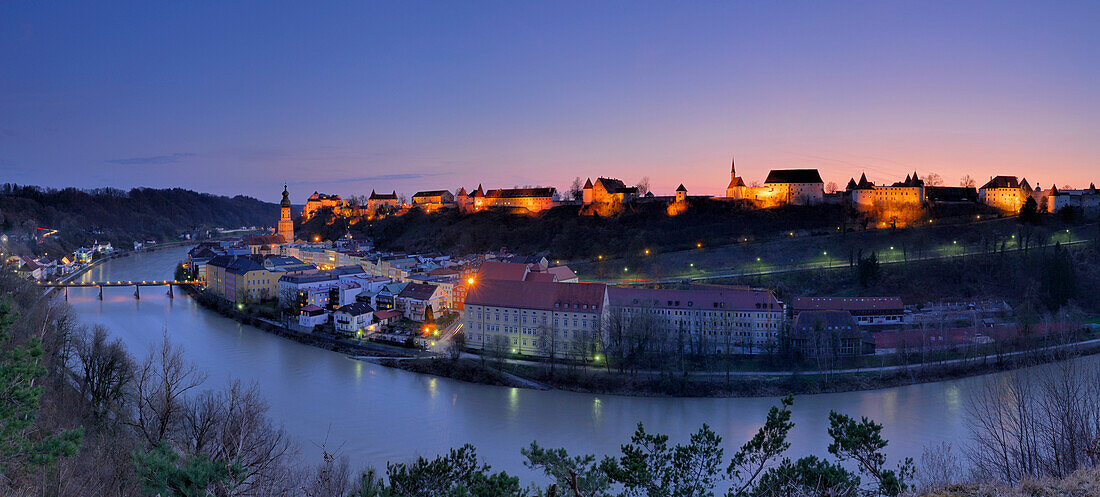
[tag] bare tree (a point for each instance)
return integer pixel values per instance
(643, 186)
(104, 371)
(933, 179)
(968, 182)
(162, 380)
(939, 466)
(549, 344)
(576, 190)
(831, 187)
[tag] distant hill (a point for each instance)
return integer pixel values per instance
(119, 216)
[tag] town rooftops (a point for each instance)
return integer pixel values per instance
(323, 196)
(418, 291)
(696, 299)
(356, 309)
(856, 305)
(493, 270)
(562, 273)
(520, 192)
(263, 240)
(431, 193)
(307, 277)
(793, 176)
(347, 270)
(566, 297)
(1001, 182)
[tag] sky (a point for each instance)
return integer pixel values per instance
(236, 97)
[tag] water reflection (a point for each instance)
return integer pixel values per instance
(318, 394)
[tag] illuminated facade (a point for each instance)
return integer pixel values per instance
(782, 187)
(607, 191)
(319, 201)
(378, 201)
(534, 318)
(433, 200)
(1004, 193)
(892, 201)
(286, 221)
(531, 199)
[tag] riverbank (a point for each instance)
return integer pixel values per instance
(581, 379)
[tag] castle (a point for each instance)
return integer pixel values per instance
(782, 187)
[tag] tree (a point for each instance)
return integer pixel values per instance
(643, 186)
(161, 382)
(831, 187)
(968, 182)
(1029, 213)
(933, 179)
(867, 270)
(576, 190)
(22, 444)
(548, 343)
(164, 472)
(580, 474)
(456, 474)
(862, 442)
(648, 466)
(764, 447)
(104, 372)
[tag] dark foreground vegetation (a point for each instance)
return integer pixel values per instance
(81, 416)
(118, 216)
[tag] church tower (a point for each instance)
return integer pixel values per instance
(286, 223)
(736, 188)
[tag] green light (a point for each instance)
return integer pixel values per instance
(692, 264)
(757, 259)
(891, 248)
(824, 253)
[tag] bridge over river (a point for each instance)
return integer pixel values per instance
(117, 283)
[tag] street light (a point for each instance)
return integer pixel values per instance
(469, 281)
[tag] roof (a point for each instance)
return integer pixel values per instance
(346, 270)
(322, 196)
(735, 182)
(848, 304)
(696, 298)
(432, 193)
(562, 273)
(389, 314)
(311, 308)
(356, 308)
(576, 297)
(493, 270)
(243, 265)
(263, 239)
(282, 260)
(303, 278)
(1001, 182)
(443, 271)
(520, 192)
(418, 291)
(793, 176)
(681, 188)
(382, 196)
(588, 183)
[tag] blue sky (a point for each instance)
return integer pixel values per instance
(343, 97)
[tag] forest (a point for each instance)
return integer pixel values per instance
(118, 216)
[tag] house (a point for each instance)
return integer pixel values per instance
(284, 264)
(386, 318)
(386, 298)
(867, 311)
(312, 315)
(534, 318)
(354, 318)
(433, 200)
(714, 319)
(263, 244)
(562, 274)
(829, 334)
(420, 301)
(378, 201)
(866, 196)
(1004, 193)
(241, 279)
(304, 288)
(529, 199)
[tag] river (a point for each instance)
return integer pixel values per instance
(373, 414)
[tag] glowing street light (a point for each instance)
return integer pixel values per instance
(646, 251)
(469, 281)
(697, 245)
(625, 269)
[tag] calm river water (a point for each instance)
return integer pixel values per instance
(374, 414)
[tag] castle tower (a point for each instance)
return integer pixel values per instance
(736, 188)
(681, 193)
(587, 193)
(286, 223)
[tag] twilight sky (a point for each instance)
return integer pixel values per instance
(343, 97)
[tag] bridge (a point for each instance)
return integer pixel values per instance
(120, 283)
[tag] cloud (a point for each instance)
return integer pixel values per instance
(380, 177)
(151, 160)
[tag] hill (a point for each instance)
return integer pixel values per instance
(119, 216)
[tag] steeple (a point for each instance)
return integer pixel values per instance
(733, 166)
(286, 198)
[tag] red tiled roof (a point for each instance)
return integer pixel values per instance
(537, 295)
(383, 315)
(493, 270)
(562, 273)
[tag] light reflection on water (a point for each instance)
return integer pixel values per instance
(381, 414)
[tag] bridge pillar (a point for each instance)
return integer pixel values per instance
(137, 292)
(66, 289)
(170, 291)
(100, 292)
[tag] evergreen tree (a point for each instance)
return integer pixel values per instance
(22, 444)
(164, 473)
(1029, 213)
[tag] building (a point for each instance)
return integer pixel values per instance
(940, 194)
(378, 201)
(354, 318)
(1086, 202)
(464, 202)
(263, 244)
(284, 264)
(530, 199)
(681, 194)
(867, 311)
(534, 318)
(420, 301)
(607, 191)
(241, 279)
(286, 221)
(305, 288)
(312, 315)
(433, 200)
(866, 195)
(818, 334)
(1004, 193)
(782, 187)
(708, 319)
(318, 201)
